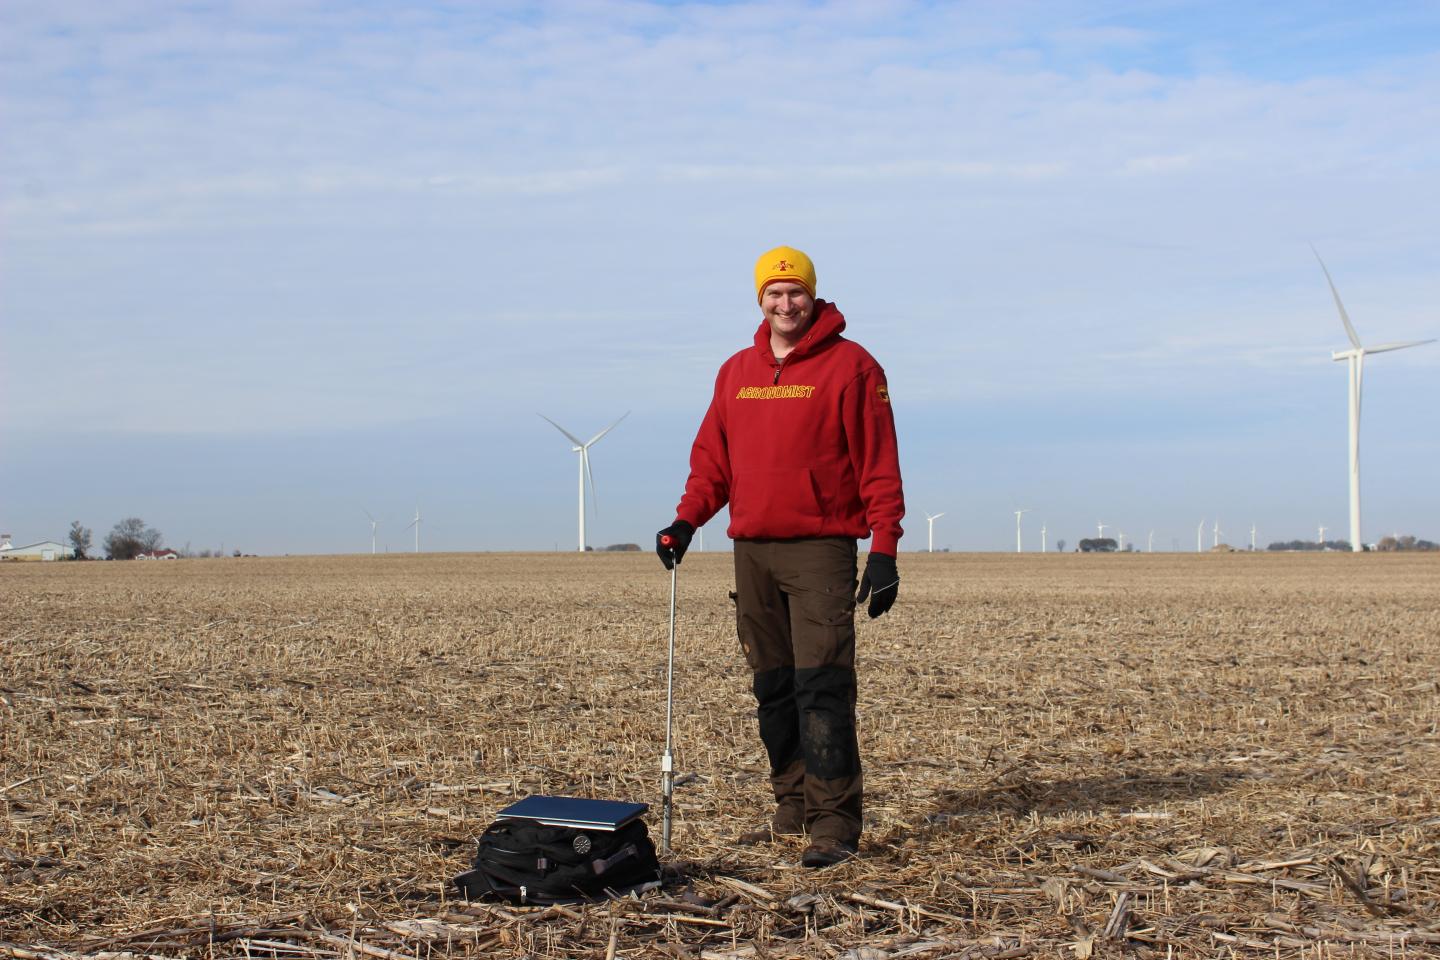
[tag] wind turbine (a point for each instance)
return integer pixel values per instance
(1200, 538)
(1018, 547)
(1043, 548)
(1355, 358)
(1152, 542)
(700, 540)
(1322, 536)
(1100, 531)
(416, 524)
(373, 524)
(1252, 538)
(1216, 541)
(583, 448)
(930, 519)
(1120, 541)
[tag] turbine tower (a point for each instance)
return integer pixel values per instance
(416, 524)
(1151, 543)
(1322, 536)
(1252, 538)
(1043, 548)
(583, 448)
(1018, 547)
(1100, 531)
(1200, 538)
(1355, 358)
(930, 519)
(373, 524)
(1216, 541)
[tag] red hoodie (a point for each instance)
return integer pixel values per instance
(801, 447)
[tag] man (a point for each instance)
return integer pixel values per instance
(800, 441)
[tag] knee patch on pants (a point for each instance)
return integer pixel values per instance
(825, 701)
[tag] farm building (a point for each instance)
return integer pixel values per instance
(157, 555)
(44, 550)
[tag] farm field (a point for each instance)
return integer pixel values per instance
(1168, 755)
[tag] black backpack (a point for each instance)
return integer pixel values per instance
(523, 861)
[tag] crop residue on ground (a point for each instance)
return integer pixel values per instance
(1066, 756)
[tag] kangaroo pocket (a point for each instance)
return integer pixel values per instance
(784, 502)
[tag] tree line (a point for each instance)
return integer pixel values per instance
(1386, 544)
(1405, 542)
(127, 540)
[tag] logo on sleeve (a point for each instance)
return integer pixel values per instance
(883, 392)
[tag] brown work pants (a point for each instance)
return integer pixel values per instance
(795, 610)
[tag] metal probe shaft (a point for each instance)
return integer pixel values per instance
(667, 763)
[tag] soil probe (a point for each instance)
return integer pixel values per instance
(667, 762)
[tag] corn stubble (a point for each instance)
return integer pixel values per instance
(1067, 756)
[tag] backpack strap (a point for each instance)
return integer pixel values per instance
(625, 852)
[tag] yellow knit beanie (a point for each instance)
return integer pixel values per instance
(784, 263)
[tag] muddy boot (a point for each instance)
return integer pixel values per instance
(826, 852)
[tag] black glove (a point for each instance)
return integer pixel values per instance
(679, 533)
(880, 582)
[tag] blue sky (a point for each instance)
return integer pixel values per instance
(266, 265)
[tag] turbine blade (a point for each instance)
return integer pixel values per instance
(937, 516)
(607, 429)
(1385, 347)
(1344, 317)
(570, 436)
(367, 514)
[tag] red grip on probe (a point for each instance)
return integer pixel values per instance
(666, 540)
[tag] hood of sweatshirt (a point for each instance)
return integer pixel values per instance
(825, 328)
